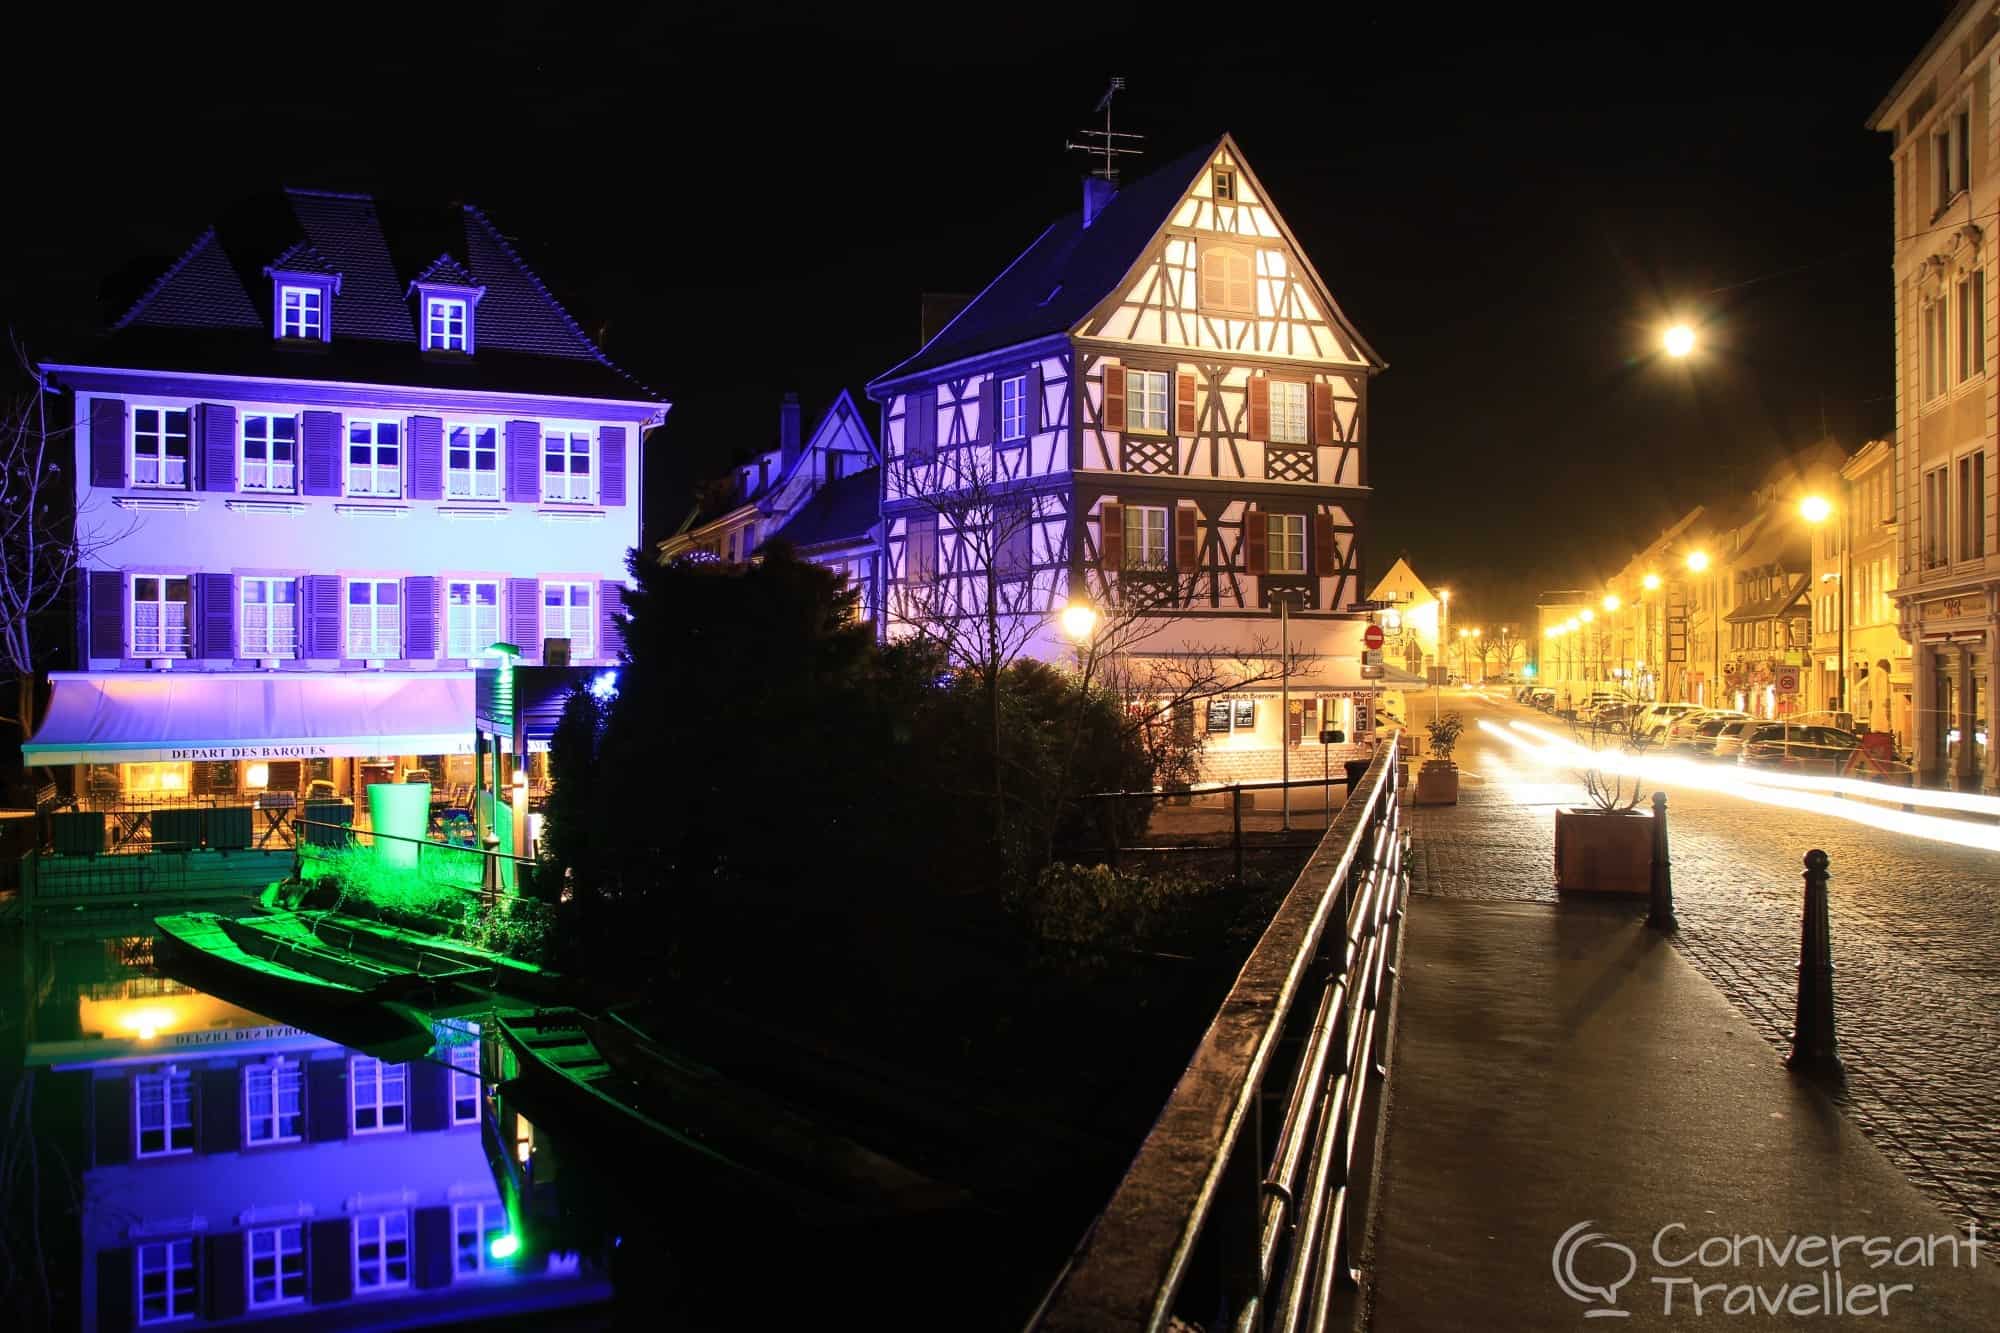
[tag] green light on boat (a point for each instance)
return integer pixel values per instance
(504, 1247)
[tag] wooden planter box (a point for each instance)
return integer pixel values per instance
(1598, 851)
(1437, 783)
(229, 827)
(77, 832)
(176, 830)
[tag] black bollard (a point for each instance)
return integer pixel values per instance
(1814, 1048)
(1662, 915)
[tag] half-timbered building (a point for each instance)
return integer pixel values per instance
(818, 493)
(1159, 406)
(343, 448)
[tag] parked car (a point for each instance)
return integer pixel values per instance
(1729, 740)
(1799, 749)
(1685, 731)
(1543, 698)
(1657, 717)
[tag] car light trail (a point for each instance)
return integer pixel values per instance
(1556, 751)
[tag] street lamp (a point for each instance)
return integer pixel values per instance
(1444, 626)
(1679, 341)
(1651, 583)
(1079, 621)
(1815, 510)
(1283, 597)
(1697, 563)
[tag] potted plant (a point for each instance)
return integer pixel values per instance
(1437, 780)
(1607, 846)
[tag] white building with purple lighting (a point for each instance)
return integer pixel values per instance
(344, 447)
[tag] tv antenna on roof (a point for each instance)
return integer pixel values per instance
(1108, 138)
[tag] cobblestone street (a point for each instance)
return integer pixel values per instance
(1915, 929)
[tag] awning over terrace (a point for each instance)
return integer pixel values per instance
(130, 717)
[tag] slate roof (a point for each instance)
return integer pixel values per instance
(840, 511)
(445, 271)
(1062, 276)
(211, 310)
(302, 258)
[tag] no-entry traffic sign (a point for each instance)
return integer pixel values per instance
(1372, 637)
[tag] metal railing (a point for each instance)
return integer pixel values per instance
(1214, 1214)
(1113, 847)
(101, 827)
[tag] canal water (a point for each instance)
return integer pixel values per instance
(172, 1158)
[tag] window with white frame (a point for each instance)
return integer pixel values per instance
(163, 1112)
(444, 324)
(1971, 324)
(1146, 401)
(159, 615)
(471, 616)
(160, 447)
(269, 623)
(474, 1227)
(1289, 409)
(566, 466)
(381, 1252)
(1013, 408)
(465, 1091)
(378, 1095)
(165, 1273)
(374, 618)
(274, 1102)
(1286, 551)
(301, 312)
(1935, 346)
(568, 612)
(276, 1258)
(1145, 537)
(472, 463)
(375, 458)
(270, 452)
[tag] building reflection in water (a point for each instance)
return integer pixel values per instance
(233, 1169)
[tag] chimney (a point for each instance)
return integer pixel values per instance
(788, 429)
(1097, 192)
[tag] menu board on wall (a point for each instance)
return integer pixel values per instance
(1246, 714)
(1218, 715)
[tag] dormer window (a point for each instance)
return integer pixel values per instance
(445, 325)
(447, 307)
(303, 286)
(301, 312)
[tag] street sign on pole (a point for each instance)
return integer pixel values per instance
(1371, 657)
(1371, 638)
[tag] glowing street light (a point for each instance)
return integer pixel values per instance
(1815, 508)
(1079, 621)
(1679, 341)
(1650, 583)
(1697, 561)
(1611, 602)
(1586, 615)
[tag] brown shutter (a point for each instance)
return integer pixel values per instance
(1322, 413)
(1256, 534)
(1111, 535)
(1114, 396)
(1260, 407)
(989, 409)
(1323, 559)
(1185, 540)
(1184, 403)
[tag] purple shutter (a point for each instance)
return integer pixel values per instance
(432, 1242)
(107, 613)
(524, 463)
(989, 407)
(217, 423)
(610, 620)
(1031, 414)
(320, 450)
(426, 458)
(107, 441)
(524, 618)
(611, 465)
(215, 603)
(319, 615)
(420, 618)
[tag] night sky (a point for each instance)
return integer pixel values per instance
(738, 205)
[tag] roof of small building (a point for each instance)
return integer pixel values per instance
(1068, 269)
(840, 511)
(211, 310)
